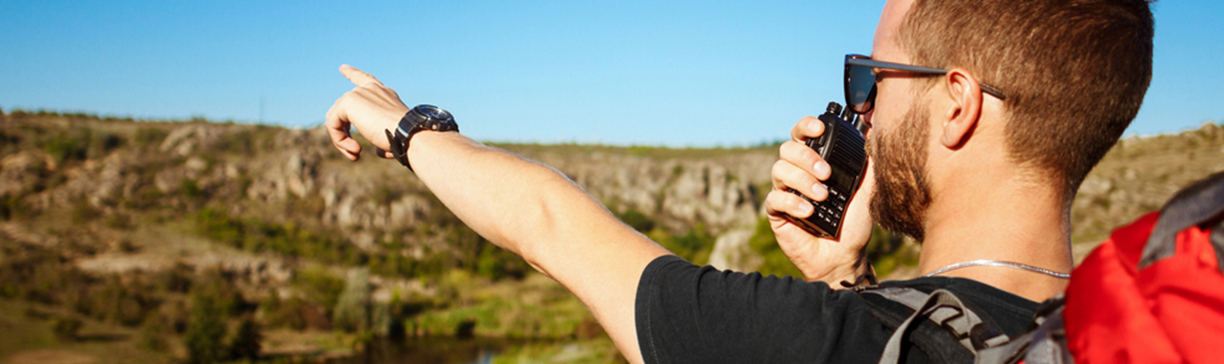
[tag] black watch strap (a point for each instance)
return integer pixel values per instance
(421, 117)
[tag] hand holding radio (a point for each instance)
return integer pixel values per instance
(818, 207)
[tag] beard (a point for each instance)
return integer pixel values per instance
(902, 194)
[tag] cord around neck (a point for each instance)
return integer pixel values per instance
(999, 263)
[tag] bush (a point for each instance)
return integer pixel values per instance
(497, 263)
(294, 313)
(118, 303)
(319, 286)
(219, 287)
(246, 341)
(637, 220)
(13, 207)
(154, 333)
(775, 261)
(694, 246)
(66, 328)
(101, 143)
(147, 136)
(67, 146)
(191, 189)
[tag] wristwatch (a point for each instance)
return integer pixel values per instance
(421, 117)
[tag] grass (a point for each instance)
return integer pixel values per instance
(105, 343)
(535, 307)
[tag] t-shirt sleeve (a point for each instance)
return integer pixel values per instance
(690, 314)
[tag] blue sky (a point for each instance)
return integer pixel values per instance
(697, 73)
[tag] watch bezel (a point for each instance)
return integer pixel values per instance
(418, 120)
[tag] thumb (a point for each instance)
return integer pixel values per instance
(383, 153)
(356, 76)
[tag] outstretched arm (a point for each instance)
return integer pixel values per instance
(522, 206)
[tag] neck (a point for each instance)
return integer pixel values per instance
(1006, 219)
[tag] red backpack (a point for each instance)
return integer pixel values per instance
(1152, 293)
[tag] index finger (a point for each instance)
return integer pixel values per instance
(808, 127)
(358, 77)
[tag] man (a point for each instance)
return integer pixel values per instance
(979, 162)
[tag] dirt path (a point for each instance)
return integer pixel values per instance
(50, 357)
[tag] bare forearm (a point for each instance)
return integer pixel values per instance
(515, 203)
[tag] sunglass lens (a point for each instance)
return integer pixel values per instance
(860, 88)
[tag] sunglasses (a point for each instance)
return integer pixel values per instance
(861, 80)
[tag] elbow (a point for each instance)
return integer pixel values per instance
(546, 220)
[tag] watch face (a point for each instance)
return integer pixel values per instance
(433, 112)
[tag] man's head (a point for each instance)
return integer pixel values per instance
(1074, 73)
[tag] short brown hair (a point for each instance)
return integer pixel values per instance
(1074, 71)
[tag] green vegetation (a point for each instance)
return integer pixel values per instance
(535, 307)
(694, 246)
(148, 136)
(206, 331)
(246, 340)
(80, 213)
(67, 328)
(885, 251)
(155, 333)
(774, 260)
(637, 220)
(353, 306)
(288, 239)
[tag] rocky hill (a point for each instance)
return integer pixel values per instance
(119, 170)
(262, 204)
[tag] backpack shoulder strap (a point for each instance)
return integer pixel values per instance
(1046, 343)
(1200, 203)
(967, 330)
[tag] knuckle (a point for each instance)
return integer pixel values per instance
(806, 157)
(793, 203)
(771, 200)
(779, 168)
(789, 150)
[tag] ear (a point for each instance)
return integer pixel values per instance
(963, 109)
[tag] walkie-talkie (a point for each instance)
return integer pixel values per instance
(841, 145)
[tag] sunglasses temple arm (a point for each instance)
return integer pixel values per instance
(992, 90)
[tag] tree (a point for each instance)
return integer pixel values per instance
(352, 312)
(205, 329)
(66, 328)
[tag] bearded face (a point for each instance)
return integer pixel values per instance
(899, 161)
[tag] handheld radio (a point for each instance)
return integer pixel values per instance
(841, 145)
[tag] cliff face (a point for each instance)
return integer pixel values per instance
(721, 189)
(718, 188)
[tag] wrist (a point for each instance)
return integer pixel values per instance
(856, 273)
(422, 118)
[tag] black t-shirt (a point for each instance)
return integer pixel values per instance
(691, 314)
